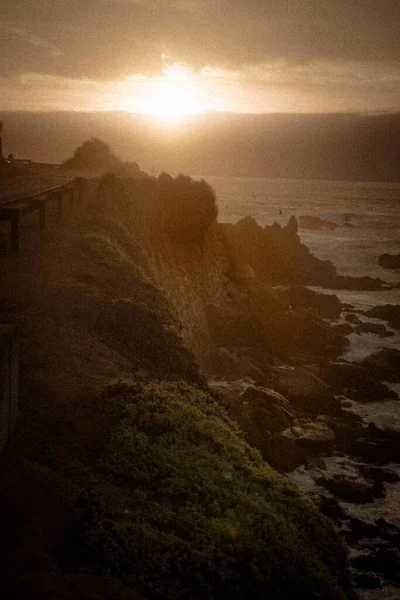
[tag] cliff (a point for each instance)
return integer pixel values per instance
(148, 486)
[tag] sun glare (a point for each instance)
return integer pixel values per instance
(173, 96)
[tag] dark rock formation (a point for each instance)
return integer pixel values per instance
(386, 312)
(353, 318)
(313, 222)
(356, 381)
(352, 490)
(275, 253)
(384, 364)
(307, 392)
(375, 328)
(389, 261)
(325, 305)
(346, 282)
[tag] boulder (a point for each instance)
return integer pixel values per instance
(378, 474)
(356, 381)
(342, 374)
(375, 328)
(371, 390)
(314, 437)
(360, 529)
(356, 491)
(389, 261)
(331, 508)
(307, 392)
(353, 318)
(261, 412)
(343, 328)
(283, 453)
(378, 451)
(386, 312)
(346, 282)
(325, 305)
(384, 364)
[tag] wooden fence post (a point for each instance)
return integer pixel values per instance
(15, 229)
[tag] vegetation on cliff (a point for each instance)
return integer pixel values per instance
(206, 516)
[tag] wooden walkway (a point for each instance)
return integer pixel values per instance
(69, 195)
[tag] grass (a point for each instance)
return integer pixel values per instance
(208, 518)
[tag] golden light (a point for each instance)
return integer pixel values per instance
(173, 96)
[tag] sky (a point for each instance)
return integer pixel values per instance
(175, 57)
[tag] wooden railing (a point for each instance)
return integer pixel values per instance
(73, 193)
(8, 382)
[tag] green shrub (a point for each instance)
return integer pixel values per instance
(208, 518)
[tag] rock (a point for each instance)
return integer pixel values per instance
(389, 261)
(315, 462)
(372, 390)
(378, 474)
(342, 374)
(356, 491)
(307, 392)
(376, 451)
(343, 328)
(315, 437)
(346, 282)
(316, 223)
(360, 529)
(325, 305)
(387, 562)
(386, 312)
(352, 318)
(331, 508)
(283, 453)
(356, 382)
(384, 364)
(261, 412)
(375, 328)
(368, 581)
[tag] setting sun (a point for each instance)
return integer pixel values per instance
(173, 96)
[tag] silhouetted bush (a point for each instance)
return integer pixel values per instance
(185, 208)
(207, 517)
(93, 155)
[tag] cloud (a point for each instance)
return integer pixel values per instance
(303, 47)
(109, 38)
(34, 40)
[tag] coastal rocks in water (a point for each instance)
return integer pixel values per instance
(343, 328)
(346, 282)
(261, 412)
(389, 261)
(384, 364)
(275, 253)
(353, 318)
(316, 223)
(283, 453)
(386, 312)
(375, 328)
(357, 491)
(386, 562)
(342, 374)
(315, 436)
(378, 450)
(326, 305)
(379, 474)
(307, 392)
(356, 382)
